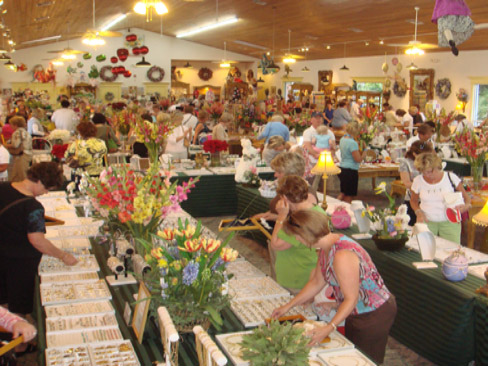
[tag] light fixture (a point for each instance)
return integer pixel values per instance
(4, 56)
(52, 38)
(225, 64)
(143, 63)
(414, 51)
(93, 41)
(146, 7)
(58, 63)
(344, 68)
(252, 45)
(9, 65)
(288, 59)
(412, 66)
(325, 166)
(113, 22)
(260, 80)
(366, 43)
(68, 56)
(208, 27)
(305, 69)
(188, 65)
(382, 42)
(328, 47)
(481, 218)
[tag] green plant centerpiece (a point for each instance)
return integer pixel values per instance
(187, 274)
(276, 344)
(390, 223)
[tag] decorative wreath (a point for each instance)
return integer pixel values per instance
(205, 73)
(109, 96)
(399, 90)
(443, 88)
(155, 74)
(106, 74)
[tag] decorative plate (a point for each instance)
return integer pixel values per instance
(350, 357)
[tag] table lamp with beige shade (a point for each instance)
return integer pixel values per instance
(481, 218)
(325, 166)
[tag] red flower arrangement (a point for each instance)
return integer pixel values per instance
(216, 110)
(165, 103)
(58, 151)
(214, 146)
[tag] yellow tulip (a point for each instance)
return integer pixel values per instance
(166, 234)
(211, 245)
(157, 253)
(229, 254)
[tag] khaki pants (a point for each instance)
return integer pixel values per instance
(19, 169)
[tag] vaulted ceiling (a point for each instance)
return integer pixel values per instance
(350, 27)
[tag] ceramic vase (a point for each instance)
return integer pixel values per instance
(455, 267)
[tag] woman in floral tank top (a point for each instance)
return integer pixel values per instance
(363, 300)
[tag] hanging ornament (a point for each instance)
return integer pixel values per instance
(127, 74)
(394, 61)
(21, 67)
(101, 58)
(136, 51)
(123, 53)
(384, 67)
(80, 65)
(93, 74)
(87, 56)
(131, 38)
(114, 59)
(143, 50)
(399, 67)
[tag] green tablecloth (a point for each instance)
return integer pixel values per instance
(213, 195)
(445, 322)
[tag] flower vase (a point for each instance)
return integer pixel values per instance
(215, 159)
(477, 174)
(390, 245)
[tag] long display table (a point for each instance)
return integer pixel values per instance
(443, 321)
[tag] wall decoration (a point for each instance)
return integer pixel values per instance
(394, 61)
(93, 74)
(205, 73)
(87, 56)
(106, 74)
(141, 311)
(250, 75)
(155, 74)
(462, 95)
(123, 53)
(101, 58)
(80, 65)
(421, 87)
(114, 59)
(399, 89)
(443, 88)
(109, 96)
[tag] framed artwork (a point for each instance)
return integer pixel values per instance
(141, 311)
(421, 87)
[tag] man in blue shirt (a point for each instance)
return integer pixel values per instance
(275, 127)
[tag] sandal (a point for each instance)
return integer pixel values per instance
(30, 348)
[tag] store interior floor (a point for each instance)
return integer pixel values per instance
(396, 353)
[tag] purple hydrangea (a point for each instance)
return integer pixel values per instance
(190, 273)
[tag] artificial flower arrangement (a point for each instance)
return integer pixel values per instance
(165, 103)
(58, 151)
(187, 273)
(442, 122)
(59, 136)
(298, 121)
(216, 110)
(252, 178)
(153, 135)
(389, 222)
(367, 132)
(474, 148)
(369, 114)
(122, 121)
(213, 146)
(134, 202)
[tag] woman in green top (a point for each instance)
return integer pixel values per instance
(294, 261)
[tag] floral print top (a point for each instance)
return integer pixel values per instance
(89, 153)
(372, 290)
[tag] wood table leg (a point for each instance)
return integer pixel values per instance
(471, 233)
(484, 244)
(373, 182)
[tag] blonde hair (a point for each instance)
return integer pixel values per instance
(352, 129)
(289, 163)
(38, 113)
(275, 142)
(322, 130)
(277, 118)
(427, 161)
(163, 118)
(309, 225)
(177, 118)
(226, 117)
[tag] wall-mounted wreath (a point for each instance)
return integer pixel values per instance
(205, 73)
(155, 74)
(399, 89)
(443, 88)
(106, 74)
(109, 96)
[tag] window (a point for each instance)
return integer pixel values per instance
(480, 103)
(367, 86)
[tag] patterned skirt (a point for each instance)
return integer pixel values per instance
(461, 26)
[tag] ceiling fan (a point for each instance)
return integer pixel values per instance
(415, 47)
(290, 58)
(92, 37)
(225, 63)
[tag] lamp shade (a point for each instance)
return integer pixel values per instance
(325, 164)
(481, 218)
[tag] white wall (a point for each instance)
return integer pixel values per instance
(162, 50)
(446, 65)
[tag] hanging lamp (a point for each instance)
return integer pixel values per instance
(147, 7)
(143, 63)
(344, 68)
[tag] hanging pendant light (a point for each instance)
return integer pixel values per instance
(305, 69)
(412, 66)
(147, 7)
(188, 65)
(225, 64)
(272, 68)
(9, 65)
(288, 59)
(143, 63)
(260, 80)
(344, 68)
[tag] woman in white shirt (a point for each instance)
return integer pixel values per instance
(406, 120)
(430, 188)
(176, 139)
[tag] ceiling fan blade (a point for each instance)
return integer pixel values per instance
(398, 45)
(60, 51)
(427, 46)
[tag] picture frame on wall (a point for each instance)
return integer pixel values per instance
(140, 312)
(421, 87)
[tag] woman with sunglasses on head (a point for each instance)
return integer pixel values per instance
(363, 300)
(408, 172)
